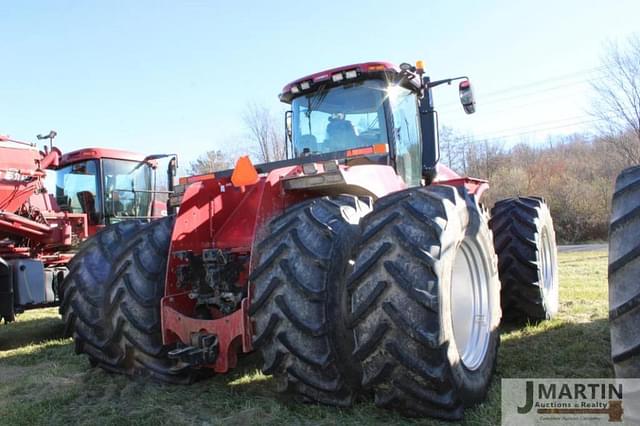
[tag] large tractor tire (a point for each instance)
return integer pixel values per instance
(128, 337)
(82, 291)
(527, 258)
(423, 302)
(302, 255)
(624, 273)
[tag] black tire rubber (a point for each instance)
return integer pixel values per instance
(522, 227)
(111, 300)
(400, 302)
(301, 257)
(624, 270)
(131, 307)
(82, 290)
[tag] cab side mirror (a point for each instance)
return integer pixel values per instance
(467, 99)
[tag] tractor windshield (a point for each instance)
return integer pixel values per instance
(340, 118)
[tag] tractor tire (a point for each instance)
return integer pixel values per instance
(527, 258)
(301, 258)
(624, 270)
(111, 300)
(82, 290)
(425, 347)
(131, 308)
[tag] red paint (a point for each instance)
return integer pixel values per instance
(362, 68)
(97, 153)
(446, 176)
(233, 331)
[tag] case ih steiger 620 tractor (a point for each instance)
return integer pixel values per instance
(359, 265)
(40, 230)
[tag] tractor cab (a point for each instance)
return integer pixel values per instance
(108, 185)
(371, 105)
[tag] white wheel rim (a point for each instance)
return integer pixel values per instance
(470, 305)
(548, 270)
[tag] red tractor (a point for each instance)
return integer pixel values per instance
(50, 202)
(359, 265)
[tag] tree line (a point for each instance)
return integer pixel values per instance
(574, 174)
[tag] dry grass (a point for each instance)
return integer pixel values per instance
(42, 381)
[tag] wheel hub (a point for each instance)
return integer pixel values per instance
(548, 270)
(470, 304)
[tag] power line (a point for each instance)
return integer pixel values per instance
(564, 126)
(517, 106)
(452, 105)
(566, 122)
(547, 80)
(516, 88)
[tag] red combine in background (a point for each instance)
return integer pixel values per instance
(50, 202)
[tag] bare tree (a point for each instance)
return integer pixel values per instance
(266, 132)
(453, 149)
(618, 98)
(209, 162)
(482, 158)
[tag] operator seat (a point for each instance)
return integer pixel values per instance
(341, 134)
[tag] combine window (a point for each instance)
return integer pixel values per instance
(76, 190)
(340, 118)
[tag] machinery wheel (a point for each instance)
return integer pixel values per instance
(302, 255)
(82, 290)
(424, 302)
(527, 258)
(624, 270)
(131, 307)
(118, 326)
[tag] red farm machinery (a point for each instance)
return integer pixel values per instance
(358, 266)
(50, 202)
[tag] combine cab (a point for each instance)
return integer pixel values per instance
(359, 265)
(50, 202)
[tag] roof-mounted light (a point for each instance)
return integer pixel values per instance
(376, 68)
(295, 89)
(351, 74)
(305, 85)
(337, 77)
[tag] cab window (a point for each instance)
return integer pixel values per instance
(406, 127)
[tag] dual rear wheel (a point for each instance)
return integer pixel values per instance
(403, 302)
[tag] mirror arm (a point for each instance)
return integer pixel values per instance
(446, 80)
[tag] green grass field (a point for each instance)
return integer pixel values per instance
(42, 381)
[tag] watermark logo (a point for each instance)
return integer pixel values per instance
(570, 401)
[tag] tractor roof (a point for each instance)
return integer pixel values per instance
(96, 153)
(372, 69)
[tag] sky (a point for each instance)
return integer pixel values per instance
(165, 77)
